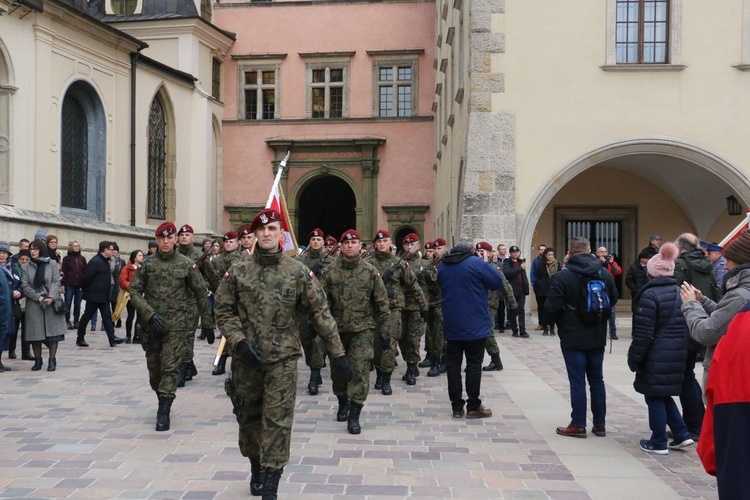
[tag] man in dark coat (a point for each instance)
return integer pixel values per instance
(582, 344)
(97, 278)
(636, 277)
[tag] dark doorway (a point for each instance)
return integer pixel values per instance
(398, 238)
(601, 233)
(328, 203)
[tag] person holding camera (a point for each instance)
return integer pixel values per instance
(608, 262)
(514, 270)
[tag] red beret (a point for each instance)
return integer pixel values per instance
(230, 235)
(316, 233)
(165, 229)
(381, 234)
(428, 245)
(244, 230)
(410, 238)
(265, 217)
(331, 241)
(185, 228)
(483, 245)
(440, 242)
(350, 234)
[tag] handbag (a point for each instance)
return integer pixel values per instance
(59, 305)
(17, 311)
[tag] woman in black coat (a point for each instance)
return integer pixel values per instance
(658, 352)
(548, 267)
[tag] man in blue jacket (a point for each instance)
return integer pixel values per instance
(464, 280)
(582, 343)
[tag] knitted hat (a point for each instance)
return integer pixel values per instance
(738, 251)
(40, 234)
(662, 264)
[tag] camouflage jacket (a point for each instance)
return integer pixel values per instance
(413, 301)
(403, 282)
(433, 287)
(493, 296)
(312, 257)
(260, 299)
(214, 269)
(170, 285)
(357, 296)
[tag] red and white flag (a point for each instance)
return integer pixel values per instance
(737, 231)
(277, 202)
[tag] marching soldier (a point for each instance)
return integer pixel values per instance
(359, 302)
(215, 270)
(413, 315)
(436, 345)
(331, 245)
(257, 308)
(162, 291)
(316, 259)
(399, 280)
(185, 238)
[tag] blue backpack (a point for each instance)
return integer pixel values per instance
(595, 305)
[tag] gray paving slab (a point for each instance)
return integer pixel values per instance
(86, 431)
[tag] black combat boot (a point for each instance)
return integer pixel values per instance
(434, 369)
(378, 379)
(137, 334)
(409, 376)
(442, 366)
(162, 414)
(386, 389)
(193, 370)
(181, 375)
(343, 412)
(312, 385)
(256, 477)
(271, 485)
(352, 425)
(319, 377)
(221, 366)
(495, 364)
(426, 362)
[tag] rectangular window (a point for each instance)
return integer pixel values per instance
(642, 31)
(327, 92)
(216, 79)
(260, 91)
(394, 86)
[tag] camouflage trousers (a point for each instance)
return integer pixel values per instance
(434, 340)
(412, 329)
(491, 345)
(189, 344)
(385, 361)
(263, 400)
(359, 352)
(163, 358)
(312, 345)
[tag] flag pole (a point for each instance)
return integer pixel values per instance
(733, 233)
(276, 181)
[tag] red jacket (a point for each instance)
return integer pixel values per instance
(126, 275)
(723, 446)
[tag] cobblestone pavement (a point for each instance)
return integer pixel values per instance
(87, 431)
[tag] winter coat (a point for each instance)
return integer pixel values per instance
(564, 297)
(73, 265)
(543, 280)
(126, 275)
(116, 265)
(636, 278)
(96, 280)
(659, 348)
(512, 270)
(695, 268)
(7, 322)
(708, 321)
(464, 280)
(41, 323)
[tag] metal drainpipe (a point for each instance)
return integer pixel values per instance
(133, 63)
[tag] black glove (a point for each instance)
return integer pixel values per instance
(209, 334)
(342, 365)
(158, 323)
(247, 353)
(385, 340)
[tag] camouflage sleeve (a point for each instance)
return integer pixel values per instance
(412, 288)
(212, 273)
(315, 303)
(324, 283)
(509, 295)
(227, 313)
(198, 286)
(380, 301)
(137, 289)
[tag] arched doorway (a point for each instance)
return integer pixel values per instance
(326, 202)
(399, 235)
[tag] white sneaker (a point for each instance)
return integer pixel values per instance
(674, 445)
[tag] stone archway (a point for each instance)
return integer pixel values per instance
(704, 163)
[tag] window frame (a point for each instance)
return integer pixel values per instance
(413, 82)
(217, 66)
(243, 68)
(327, 62)
(674, 41)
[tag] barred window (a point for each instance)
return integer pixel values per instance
(216, 79)
(642, 31)
(157, 155)
(75, 157)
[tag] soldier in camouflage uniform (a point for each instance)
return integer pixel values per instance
(484, 250)
(215, 270)
(161, 292)
(436, 345)
(316, 259)
(399, 280)
(185, 238)
(413, 315)
(429, 254)
(257, 308)
(359, 302)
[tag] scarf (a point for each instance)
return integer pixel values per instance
(41, 268)
(552, 267)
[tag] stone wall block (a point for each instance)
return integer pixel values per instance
(487, 42)
(487, 6)
(481, 22)
(480, 63)
(487, 82)
(480, 102)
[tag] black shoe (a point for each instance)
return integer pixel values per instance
(118, 340)
(4, 368)
(257, 477)
(271, 485)
(352, 425)
(37, 365)
(426, 362)
(11, 354)
(614, 337)
(493, 367)
(524, 335)
(181, 375)
(128, 340)
(52, 365)
(220, 366)
(378, 380)
(434, 371)
(312, 385)
(342, 415)
(26, 356)
(192, 369)
(200, 337)
(162, 414)
(82, 343)
(442, 366)
(515, 333)
(75, 325)
(386, 389)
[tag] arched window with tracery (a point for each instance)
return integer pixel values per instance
(157, 160)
